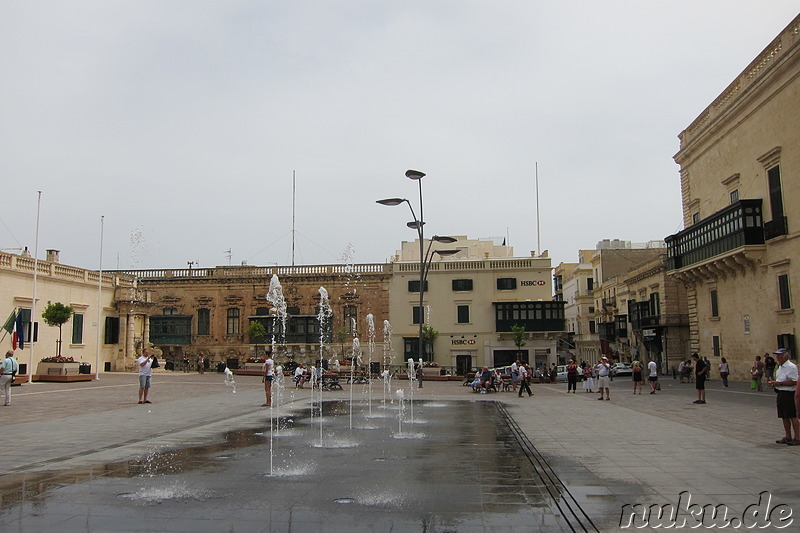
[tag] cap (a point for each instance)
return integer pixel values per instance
(780, 351)
(604, 359)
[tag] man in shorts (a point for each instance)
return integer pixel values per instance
(785, 384)
(700, 373)
(604, 378)
(269, 375)
(652, 374)
(145, 373)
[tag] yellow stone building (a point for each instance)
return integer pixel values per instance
(739, 253)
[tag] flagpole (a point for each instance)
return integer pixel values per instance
(35, 272)
(99, 304)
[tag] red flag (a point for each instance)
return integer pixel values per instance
(14, 337)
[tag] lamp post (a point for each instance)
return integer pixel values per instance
(425, 256)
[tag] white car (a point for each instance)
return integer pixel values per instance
(621, 369)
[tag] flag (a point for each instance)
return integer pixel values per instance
(19, 333)
(9, 325)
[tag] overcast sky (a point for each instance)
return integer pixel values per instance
(181, 122)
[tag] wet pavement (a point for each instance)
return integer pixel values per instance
(85, 457)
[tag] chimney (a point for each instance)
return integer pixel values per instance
(52, 256)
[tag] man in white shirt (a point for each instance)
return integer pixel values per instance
(8, 370)
(145, 373)
(269, 375)
(652, 374)
(785, 384)
(603, 379)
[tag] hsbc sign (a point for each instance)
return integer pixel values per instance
(531, 283)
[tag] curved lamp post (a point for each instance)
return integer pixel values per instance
(425, 256)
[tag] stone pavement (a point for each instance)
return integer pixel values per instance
(643, 449)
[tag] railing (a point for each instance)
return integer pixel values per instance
(224, 272)
(739, 224)
(19, 263)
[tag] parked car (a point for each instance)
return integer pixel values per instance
(621, 369)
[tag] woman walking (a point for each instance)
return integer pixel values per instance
(637, 377)
(572, 376)
(757, 372)
(588, 380)
(723, 372)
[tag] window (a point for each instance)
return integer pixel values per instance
(262, 311)
(783, 291)
(775, 192)
(463, 314)
(590, 285)
(591, 309)
(734, 196)
(204, 322)
(413, 285)
(655, 306)
(592, 327)
(695, 218)
(112, 330)
(715, 346)
(506, 284)
(77, 328)
(462, 285)
(170, 311)
(26, 321)
(233, 321)
(714, 304)
(351, 319)
(416, 314)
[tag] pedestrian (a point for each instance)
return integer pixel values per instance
(299, 376)
(769, 366)
(785, 385)
(524, 373)
(652, 374)
(757, 372)
(708, 367)
(554, 374)
(682, 371)
(636, 371)
(588, 380)
(723, 372)
(700, 373)
(185, 363)
(418, 373)
(8, 371)
(201, 364)
(269, 375)
(603, 378)
(144, 363)
(572, 376)
(515, 374)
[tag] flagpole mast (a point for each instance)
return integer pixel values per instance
(99, 304)
(35, 272)
(538, 233)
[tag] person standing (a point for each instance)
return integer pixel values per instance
(769, 366)
(201, 364)
(603, 378)
(554, 374)
(185, 363)
(588, 379)
(700, 373)
(757, 372)
(723, 372)
(8, 370)
(572, 376)
(636, 374)
(300, 376)
(652, 374)
(523, 380)
(785, 385)
(144, 363)
(515, 374)
(269, 375)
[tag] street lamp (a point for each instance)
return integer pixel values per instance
(425, 256)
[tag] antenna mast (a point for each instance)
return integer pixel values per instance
(293, 204)
(538, 234)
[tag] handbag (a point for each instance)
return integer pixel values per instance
(752, 384)
(154, 364)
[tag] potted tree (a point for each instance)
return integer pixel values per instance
(56, 315)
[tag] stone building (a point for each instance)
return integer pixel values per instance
(76, 287)
(208, 311)
(739, 175)
(574, 284)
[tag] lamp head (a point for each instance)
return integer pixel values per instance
(415, 224)
(391, 201)
(443, 238)
(414, 174)
(444, 253)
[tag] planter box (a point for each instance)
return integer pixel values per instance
(57, 369)
(254, 366)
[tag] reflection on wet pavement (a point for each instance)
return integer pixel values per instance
(465, 469)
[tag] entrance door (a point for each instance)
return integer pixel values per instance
(463, 364)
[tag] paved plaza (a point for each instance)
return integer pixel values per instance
(585, 458)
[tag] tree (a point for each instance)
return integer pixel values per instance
(342, 335)
(57, 314)
(256, 333)
(428, 336)
(519, 338)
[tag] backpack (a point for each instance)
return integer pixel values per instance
(154, 364)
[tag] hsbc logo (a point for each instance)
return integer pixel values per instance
(531, 283)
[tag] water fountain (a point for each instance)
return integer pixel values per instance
(324, 317)
(229, 381)
(275, 297)
(370, 351)
(388, 360)
(355, 360)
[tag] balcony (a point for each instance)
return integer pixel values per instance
(533, 316)
(641, 317)
(607, 331)
(740, 224)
